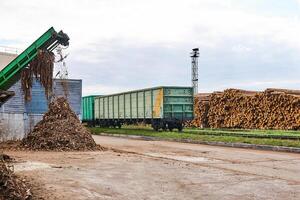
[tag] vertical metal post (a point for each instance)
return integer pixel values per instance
(195, 56)
(124, 103)
(144, 100)
(107, 107)
(130, 101)
(113, 105)
(151, 103)
(118, 106)
(137, 105)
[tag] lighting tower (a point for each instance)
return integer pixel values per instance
(195, 56)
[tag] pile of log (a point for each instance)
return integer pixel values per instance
(233, 108)
(201, 104)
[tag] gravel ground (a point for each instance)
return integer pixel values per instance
(135, 169)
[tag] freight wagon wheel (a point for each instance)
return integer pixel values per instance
(119, 125)
(180, 127)
(170, 126)
(164, 126)
(90, 124)
(156, 125)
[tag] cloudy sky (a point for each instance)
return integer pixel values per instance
(121, 45)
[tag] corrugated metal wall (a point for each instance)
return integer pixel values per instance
(74, 93)
(11, 126)
(39, 103)
(15, 104)
(17, 117)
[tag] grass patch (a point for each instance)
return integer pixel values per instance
(201, 135)
(275, 134)
(245, 131)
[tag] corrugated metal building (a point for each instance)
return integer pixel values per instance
(18, 117)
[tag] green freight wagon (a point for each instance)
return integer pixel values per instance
(88, 106)
(163, 107)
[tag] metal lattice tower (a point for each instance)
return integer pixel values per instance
(195, 56)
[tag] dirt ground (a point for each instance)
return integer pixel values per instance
(135, 169)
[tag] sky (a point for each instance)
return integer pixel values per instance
(118, 45)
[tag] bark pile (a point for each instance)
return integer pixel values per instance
(11, 187)
(60, 130)
(41, 68)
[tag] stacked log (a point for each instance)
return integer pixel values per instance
(201, 104)
(233, 108)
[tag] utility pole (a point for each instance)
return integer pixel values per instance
(195, 55)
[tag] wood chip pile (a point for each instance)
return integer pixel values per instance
(11, 187)
(233, 108)
(60, 130)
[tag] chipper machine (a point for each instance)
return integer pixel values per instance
(10, 74)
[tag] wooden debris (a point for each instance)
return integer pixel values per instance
(60, 130)
(11, 187)
(40, 68)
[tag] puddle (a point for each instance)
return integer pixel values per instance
(29, 166)
(193, 159)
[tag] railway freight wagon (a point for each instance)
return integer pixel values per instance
(88, 107)
(162, 107)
